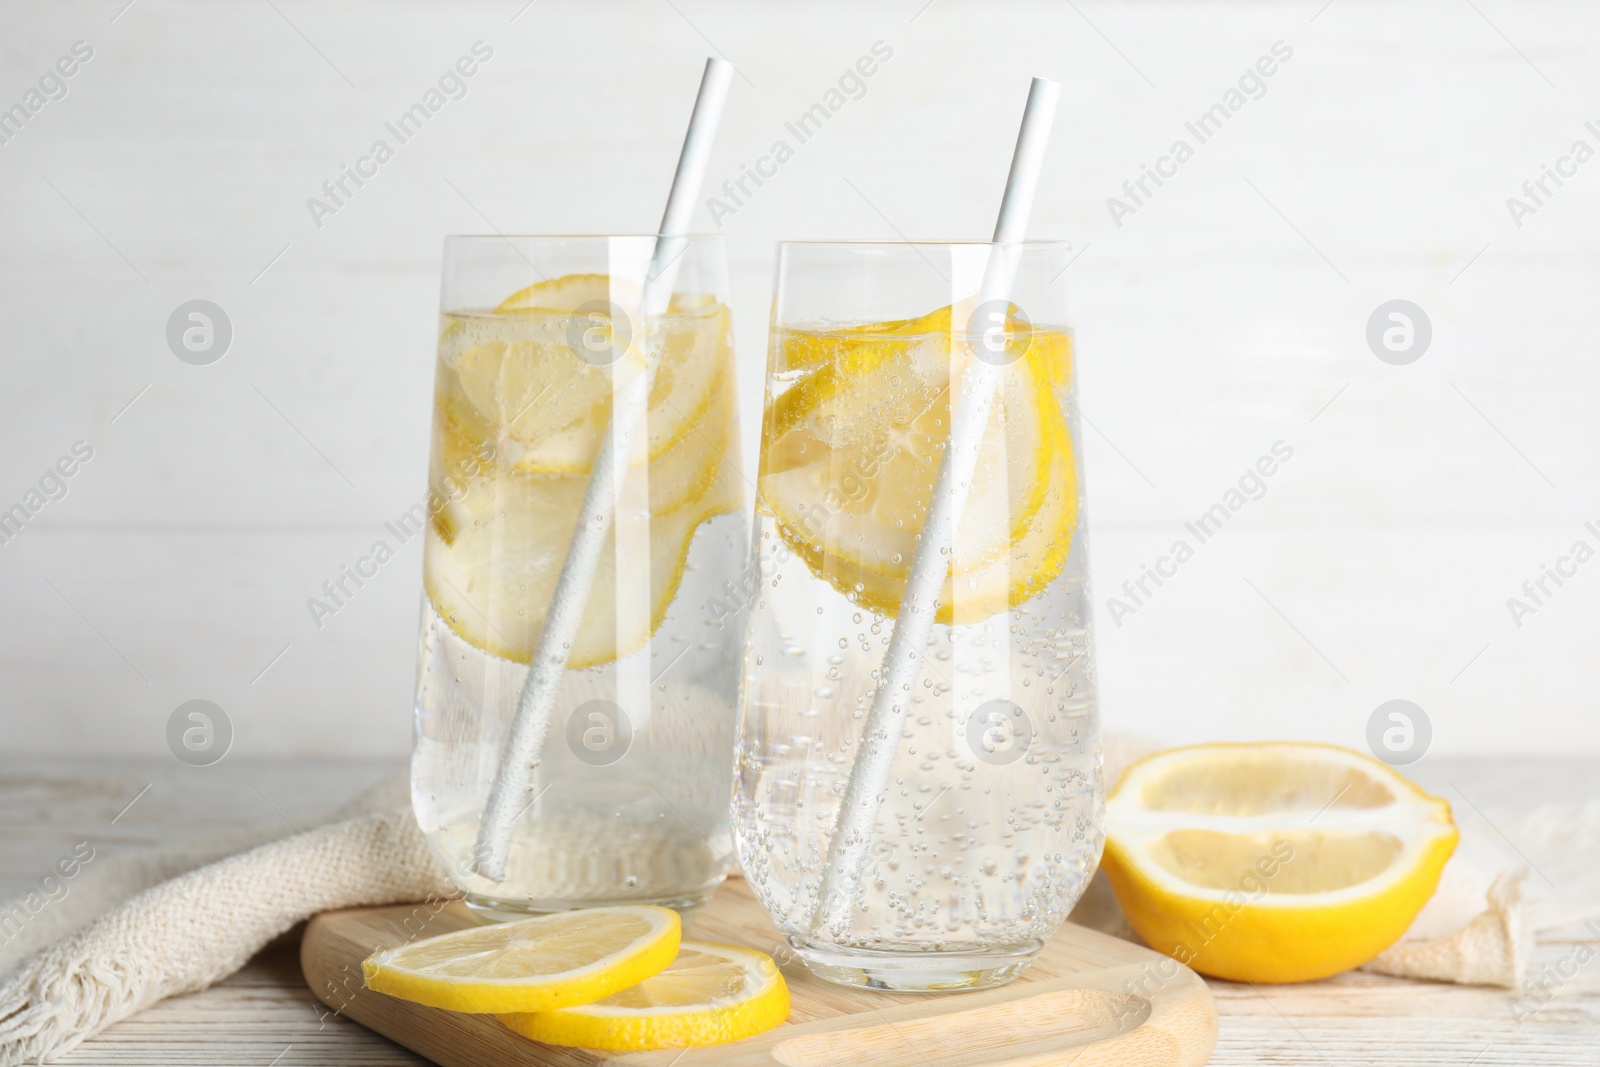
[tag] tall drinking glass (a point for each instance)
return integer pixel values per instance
(631, 783)
(991, 824)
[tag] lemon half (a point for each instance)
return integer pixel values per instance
(1275, 862)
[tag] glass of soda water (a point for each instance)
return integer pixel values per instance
(944, 858)
(629, 798)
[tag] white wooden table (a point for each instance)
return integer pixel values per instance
(264, 1015)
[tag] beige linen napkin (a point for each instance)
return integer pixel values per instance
(192, 930)
(182, 926)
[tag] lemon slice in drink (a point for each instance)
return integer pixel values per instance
(711, 994)
(864, 343)
(571, 291)
(519, 376)
(1277, 862)
(854, 448)
(522, 414)
(853, 454)
(494, 555)
(685, 471)
(539, 964)
(974, 594)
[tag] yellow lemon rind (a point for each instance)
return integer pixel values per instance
(1274, 937)
(1267, 944)
(582, 985)
(598, 1026)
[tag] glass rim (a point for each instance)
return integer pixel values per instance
(1030, 242)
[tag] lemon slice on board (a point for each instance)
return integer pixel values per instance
(552, 961)
(711, 994)
(1275, 862)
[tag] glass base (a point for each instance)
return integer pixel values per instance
(916, 972)
(498, 911)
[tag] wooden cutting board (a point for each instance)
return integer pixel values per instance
(1089, 999)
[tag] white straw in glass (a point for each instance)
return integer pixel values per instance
(512, 792)
(919, 603)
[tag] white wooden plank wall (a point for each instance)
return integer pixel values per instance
(1228, 312)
